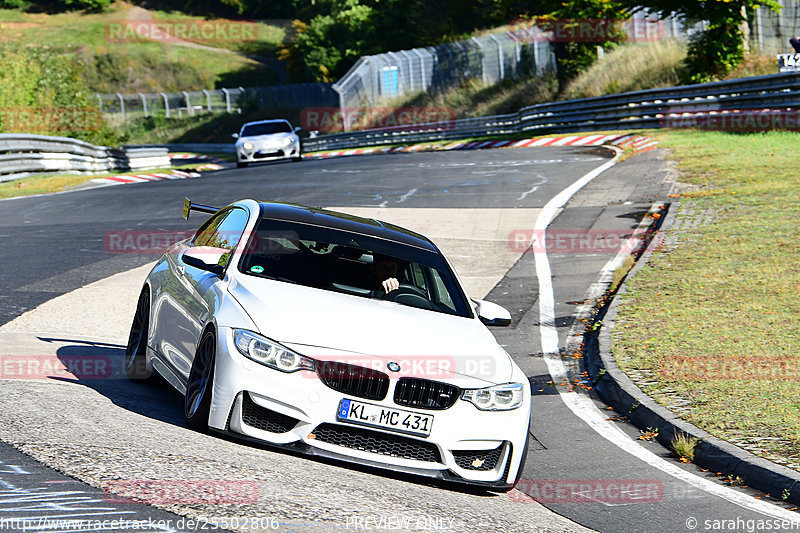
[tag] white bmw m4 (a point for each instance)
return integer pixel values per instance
(335, 336)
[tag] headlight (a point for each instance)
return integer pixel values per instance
(269, 353)
(287, 141)
(247, 146)
(498, 398)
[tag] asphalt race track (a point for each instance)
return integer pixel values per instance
(63, 276)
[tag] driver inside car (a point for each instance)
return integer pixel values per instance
(382, 274)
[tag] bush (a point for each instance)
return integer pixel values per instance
(43, 92)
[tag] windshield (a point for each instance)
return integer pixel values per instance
(266, 128)
(353, 264)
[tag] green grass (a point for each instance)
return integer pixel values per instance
(474, 98)
(631, 67)
(723, 304)
(130, 67)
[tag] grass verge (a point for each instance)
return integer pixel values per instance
(710, 328)
(114, 62)
(48, 183)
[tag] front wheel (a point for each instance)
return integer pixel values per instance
(197, 403)
(135, 352)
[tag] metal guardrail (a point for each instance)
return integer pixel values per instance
(25, 154)
(654, 108)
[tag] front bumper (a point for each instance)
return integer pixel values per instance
(261, 153)
(298, 411)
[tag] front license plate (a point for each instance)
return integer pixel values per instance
(400, 420)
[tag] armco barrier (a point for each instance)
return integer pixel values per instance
(25, 154)
(654, 108)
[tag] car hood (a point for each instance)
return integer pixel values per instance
(328, 325)
(270, 138)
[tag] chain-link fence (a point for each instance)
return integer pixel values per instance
(490, 58)
(524, 50)
(770, 32)
(121, 107)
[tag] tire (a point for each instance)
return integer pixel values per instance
(298, 158)
(197, 403)
(241, 164)
(136, 349)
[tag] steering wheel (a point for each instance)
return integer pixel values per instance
(407, 295)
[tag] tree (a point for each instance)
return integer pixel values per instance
(721, 47)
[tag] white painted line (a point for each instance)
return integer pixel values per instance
(581, 405)
(522, 143)
(621, 139)
(541, 142)
(406, 196)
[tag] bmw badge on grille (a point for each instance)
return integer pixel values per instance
(394, 367)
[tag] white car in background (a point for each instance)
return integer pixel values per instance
(272, 321)
(267, 140)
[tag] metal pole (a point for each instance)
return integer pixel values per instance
(499, 55)
(227, 100)
(144, 103)
(121, 105)
(465, 54)
(517, 50)
(189, 108)
(410, 69)
(166, 104)
(421, 67)
(483, 60)
(99, 102)
(208, 100)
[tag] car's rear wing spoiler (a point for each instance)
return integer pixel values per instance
(188, 206)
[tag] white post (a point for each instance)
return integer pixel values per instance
(759, 32)
(227, 100)
(144, 103)
(499, 55)
(421, 67)
(189, 108)
(483, 60)
(208, 100)
(166, 104)
(121, 105)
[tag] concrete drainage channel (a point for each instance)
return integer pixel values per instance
(618, 391)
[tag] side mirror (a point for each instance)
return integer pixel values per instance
(298, 128)
(208, 258)
(492, 314)
(235, 135)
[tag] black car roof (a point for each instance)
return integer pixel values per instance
(318, 216)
